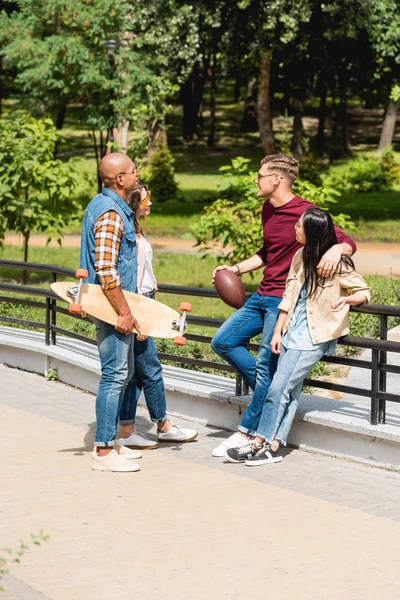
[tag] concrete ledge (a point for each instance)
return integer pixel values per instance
(338, 428)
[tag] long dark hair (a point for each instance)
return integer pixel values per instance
(133, 200)
(320, 236)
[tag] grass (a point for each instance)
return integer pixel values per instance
(376, 215)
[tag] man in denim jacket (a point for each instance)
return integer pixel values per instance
(108, 252)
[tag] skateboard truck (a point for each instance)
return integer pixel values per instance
(75, 292)
(181, 325)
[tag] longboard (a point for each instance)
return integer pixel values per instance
(155, 319)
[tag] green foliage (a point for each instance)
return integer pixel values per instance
(36, 191)
(384, 290)
(234, 219)
(390, 166)
(359, 175)
(16, 555)
(162, 182)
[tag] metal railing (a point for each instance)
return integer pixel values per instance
(378, 365)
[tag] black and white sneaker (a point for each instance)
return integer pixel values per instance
(265, 455)
(241, 453)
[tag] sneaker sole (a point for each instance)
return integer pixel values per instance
(152, 447)
(251, 463)
(115, 470)
(179, 441)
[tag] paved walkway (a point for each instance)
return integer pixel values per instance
(371, 258)
(187, 525)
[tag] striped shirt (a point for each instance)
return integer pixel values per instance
(108, 231)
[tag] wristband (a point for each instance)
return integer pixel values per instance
(238, 270)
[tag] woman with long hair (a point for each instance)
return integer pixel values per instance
(313, 315)
(148, 370)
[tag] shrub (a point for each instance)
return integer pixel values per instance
(359, 175)
(161, 180)
(390, 166)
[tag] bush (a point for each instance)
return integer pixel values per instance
(161, 180)
(359, 175)
(390, 166)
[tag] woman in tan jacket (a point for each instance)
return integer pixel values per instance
(313, 315)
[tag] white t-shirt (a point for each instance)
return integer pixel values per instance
(147, 284)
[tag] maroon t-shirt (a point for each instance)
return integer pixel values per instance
(280, 243)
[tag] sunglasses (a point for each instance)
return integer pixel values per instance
(145, 203)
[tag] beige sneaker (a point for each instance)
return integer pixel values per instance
(113, 462)
(129, 453)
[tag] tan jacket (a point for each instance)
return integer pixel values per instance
(324, 324)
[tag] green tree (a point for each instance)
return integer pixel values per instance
(36, 191)
(162, 182)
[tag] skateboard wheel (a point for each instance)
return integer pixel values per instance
(75, 309)
(81, 274)
(179, 340)
(185, 306)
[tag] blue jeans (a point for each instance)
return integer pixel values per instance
(257, 316)
(147, 376)
(117, 364)
(283, 397)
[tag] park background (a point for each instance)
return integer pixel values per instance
(197, 93)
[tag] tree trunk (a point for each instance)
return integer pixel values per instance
(123, 130)
(191, 98)
(213, 92)
(62, 113)
(298, 129)
(344, 117)
(389, 125)
(237, 86)
(264, 116)
(320, 141)
(98, 158)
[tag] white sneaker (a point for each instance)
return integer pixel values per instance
(113, 462)
(128, 453)
(177, 434)
(233, 441)
(138, 441)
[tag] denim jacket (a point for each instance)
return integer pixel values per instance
(323, 323)
(127, 258)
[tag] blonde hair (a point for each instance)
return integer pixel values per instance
(287, 166)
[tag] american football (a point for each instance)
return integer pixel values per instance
(230, 288)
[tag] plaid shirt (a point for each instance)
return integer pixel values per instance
(108, 231)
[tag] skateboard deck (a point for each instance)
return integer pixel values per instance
(155, 319)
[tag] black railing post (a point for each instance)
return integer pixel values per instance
(239, 381)
(47, 329)
(375, 387)
(53, 313)
(383, 329)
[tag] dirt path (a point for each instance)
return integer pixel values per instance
(371, 258)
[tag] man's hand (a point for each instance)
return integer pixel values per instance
(330, 260)
(221, 268)
(276, 343)
(141, 337)
(125, 324)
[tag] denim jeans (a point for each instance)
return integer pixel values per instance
(258, 315)
(117, 364)
(282, 400)
(147, 376)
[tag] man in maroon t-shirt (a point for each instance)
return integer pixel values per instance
(280, 213)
